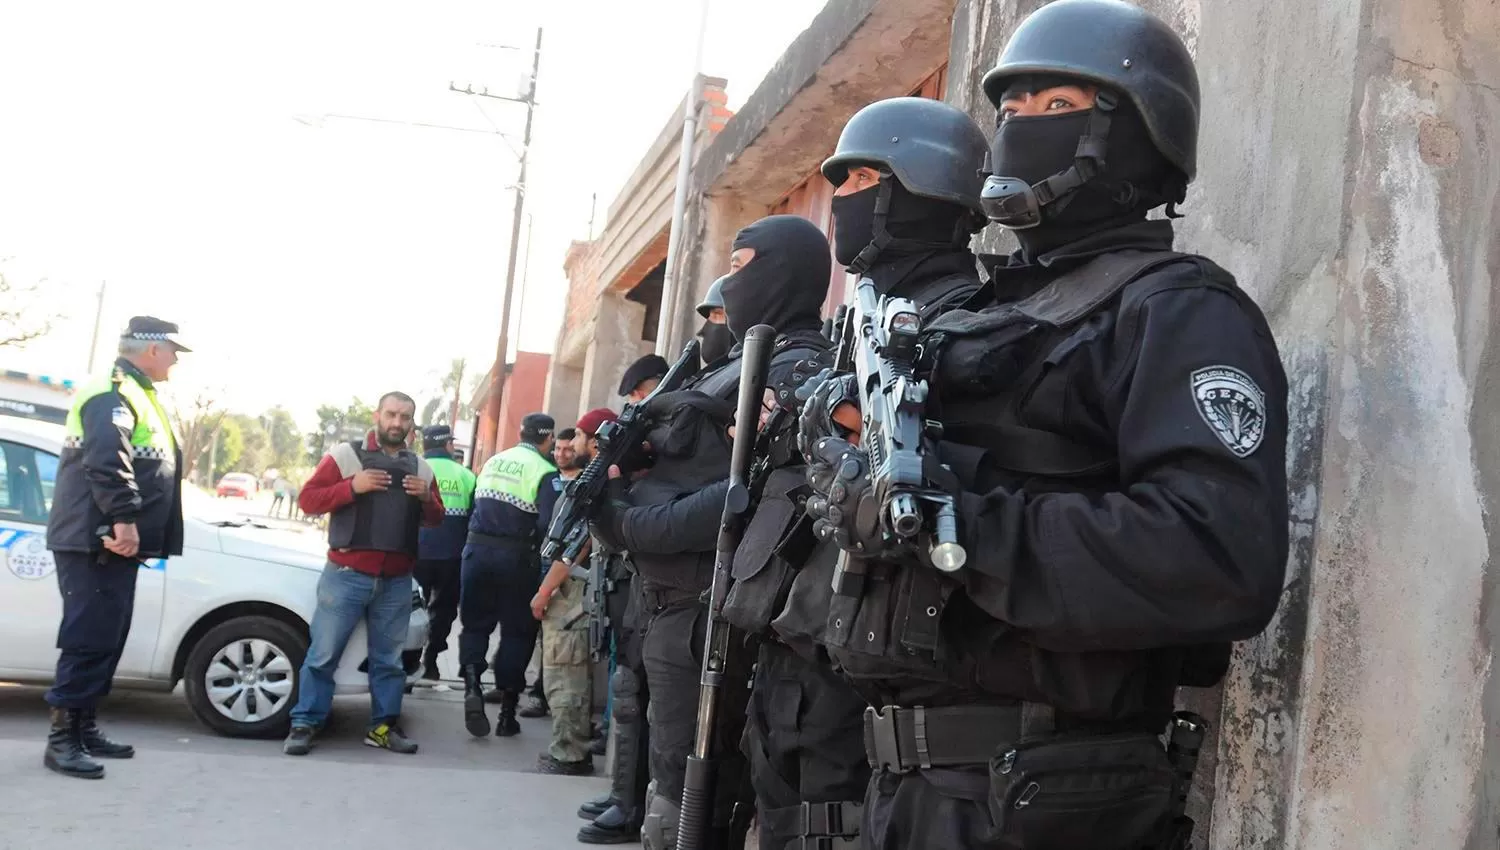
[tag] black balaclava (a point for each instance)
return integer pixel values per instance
(785, 284)
(715, 341)
(915, 224)
(1136, 178)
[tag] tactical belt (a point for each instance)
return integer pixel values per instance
(497, 541)
(820, 826)
(900, 740)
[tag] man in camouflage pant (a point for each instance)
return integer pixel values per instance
(566, 675)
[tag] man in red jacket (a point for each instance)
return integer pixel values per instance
(378, 493)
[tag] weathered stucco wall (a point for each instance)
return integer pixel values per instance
(1349, 178)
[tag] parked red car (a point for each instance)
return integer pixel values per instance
(240, 485)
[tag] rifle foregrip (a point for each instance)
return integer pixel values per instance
(697, 805)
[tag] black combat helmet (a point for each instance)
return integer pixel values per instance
(713, 299)
(934, 149)
(1131, 54)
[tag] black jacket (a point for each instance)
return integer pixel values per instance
(102, 481)
(1090, 589)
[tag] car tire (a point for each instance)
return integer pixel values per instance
(270, 652)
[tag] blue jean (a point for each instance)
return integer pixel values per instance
(345, 597)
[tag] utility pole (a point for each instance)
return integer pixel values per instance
(98, 317)
(487, 442)
(671, 285)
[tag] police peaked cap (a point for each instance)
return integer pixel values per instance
(152, 329)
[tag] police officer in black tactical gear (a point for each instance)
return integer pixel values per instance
(906, 178)
(780, 273)
(715, 335)
(1114, 430)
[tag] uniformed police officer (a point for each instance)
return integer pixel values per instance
(1114, 430)
(441, 549)
(780, 274)
(117, 502)
(906, 174)
(714, 337)
(512, 505)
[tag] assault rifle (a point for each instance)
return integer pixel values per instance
(698, 786)
(879, 344)
(569, 531)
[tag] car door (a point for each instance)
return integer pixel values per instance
(29, 599)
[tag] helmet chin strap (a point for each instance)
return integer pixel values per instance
(881, 238)
(1011, 203)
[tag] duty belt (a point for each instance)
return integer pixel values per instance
(900, 740)
(497, 541)
(815, 826)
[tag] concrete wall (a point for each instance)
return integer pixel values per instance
(1349, 178)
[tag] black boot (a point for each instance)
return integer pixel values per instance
(595, 807)
(97, 744)
(615, 826)
(65, 752)
(430, 670)
(507, 725)
(475, 719)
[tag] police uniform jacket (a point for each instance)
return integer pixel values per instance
(120, 462)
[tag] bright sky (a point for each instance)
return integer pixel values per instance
(157, 146)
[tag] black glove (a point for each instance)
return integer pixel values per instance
(843, 505)
(792, 392)
(822, 394)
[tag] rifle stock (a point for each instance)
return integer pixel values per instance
(698, 787)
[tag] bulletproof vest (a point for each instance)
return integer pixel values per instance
(987, 368)
(383, 520)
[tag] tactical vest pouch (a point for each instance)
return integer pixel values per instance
(760, 577)
(1103, 792)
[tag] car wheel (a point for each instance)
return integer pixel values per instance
(241, 677)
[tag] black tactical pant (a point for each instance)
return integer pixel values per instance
(804, 737)
(945, 808)
(98, 601)
(630, 700)
(672, 650)
(440, 590)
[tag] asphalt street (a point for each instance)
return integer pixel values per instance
(188, 788)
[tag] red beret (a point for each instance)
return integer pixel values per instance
(589, 422)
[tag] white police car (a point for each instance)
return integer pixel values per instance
(229, 618)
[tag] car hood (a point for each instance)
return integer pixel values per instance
(275, 546)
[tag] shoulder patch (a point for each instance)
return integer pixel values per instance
(122, 417)
(1233, 405)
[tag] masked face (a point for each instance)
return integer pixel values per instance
(716, 341)
(785, 282)
(853, 224)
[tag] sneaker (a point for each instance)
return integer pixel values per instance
(299, 742)
(535, 707)
(388, 737)
(545, 763)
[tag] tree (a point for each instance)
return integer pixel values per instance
(21, 321)
(255, 446)
(450, 403)
(231, 445)
(336, 423)
(196, 427)
(286, 448)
